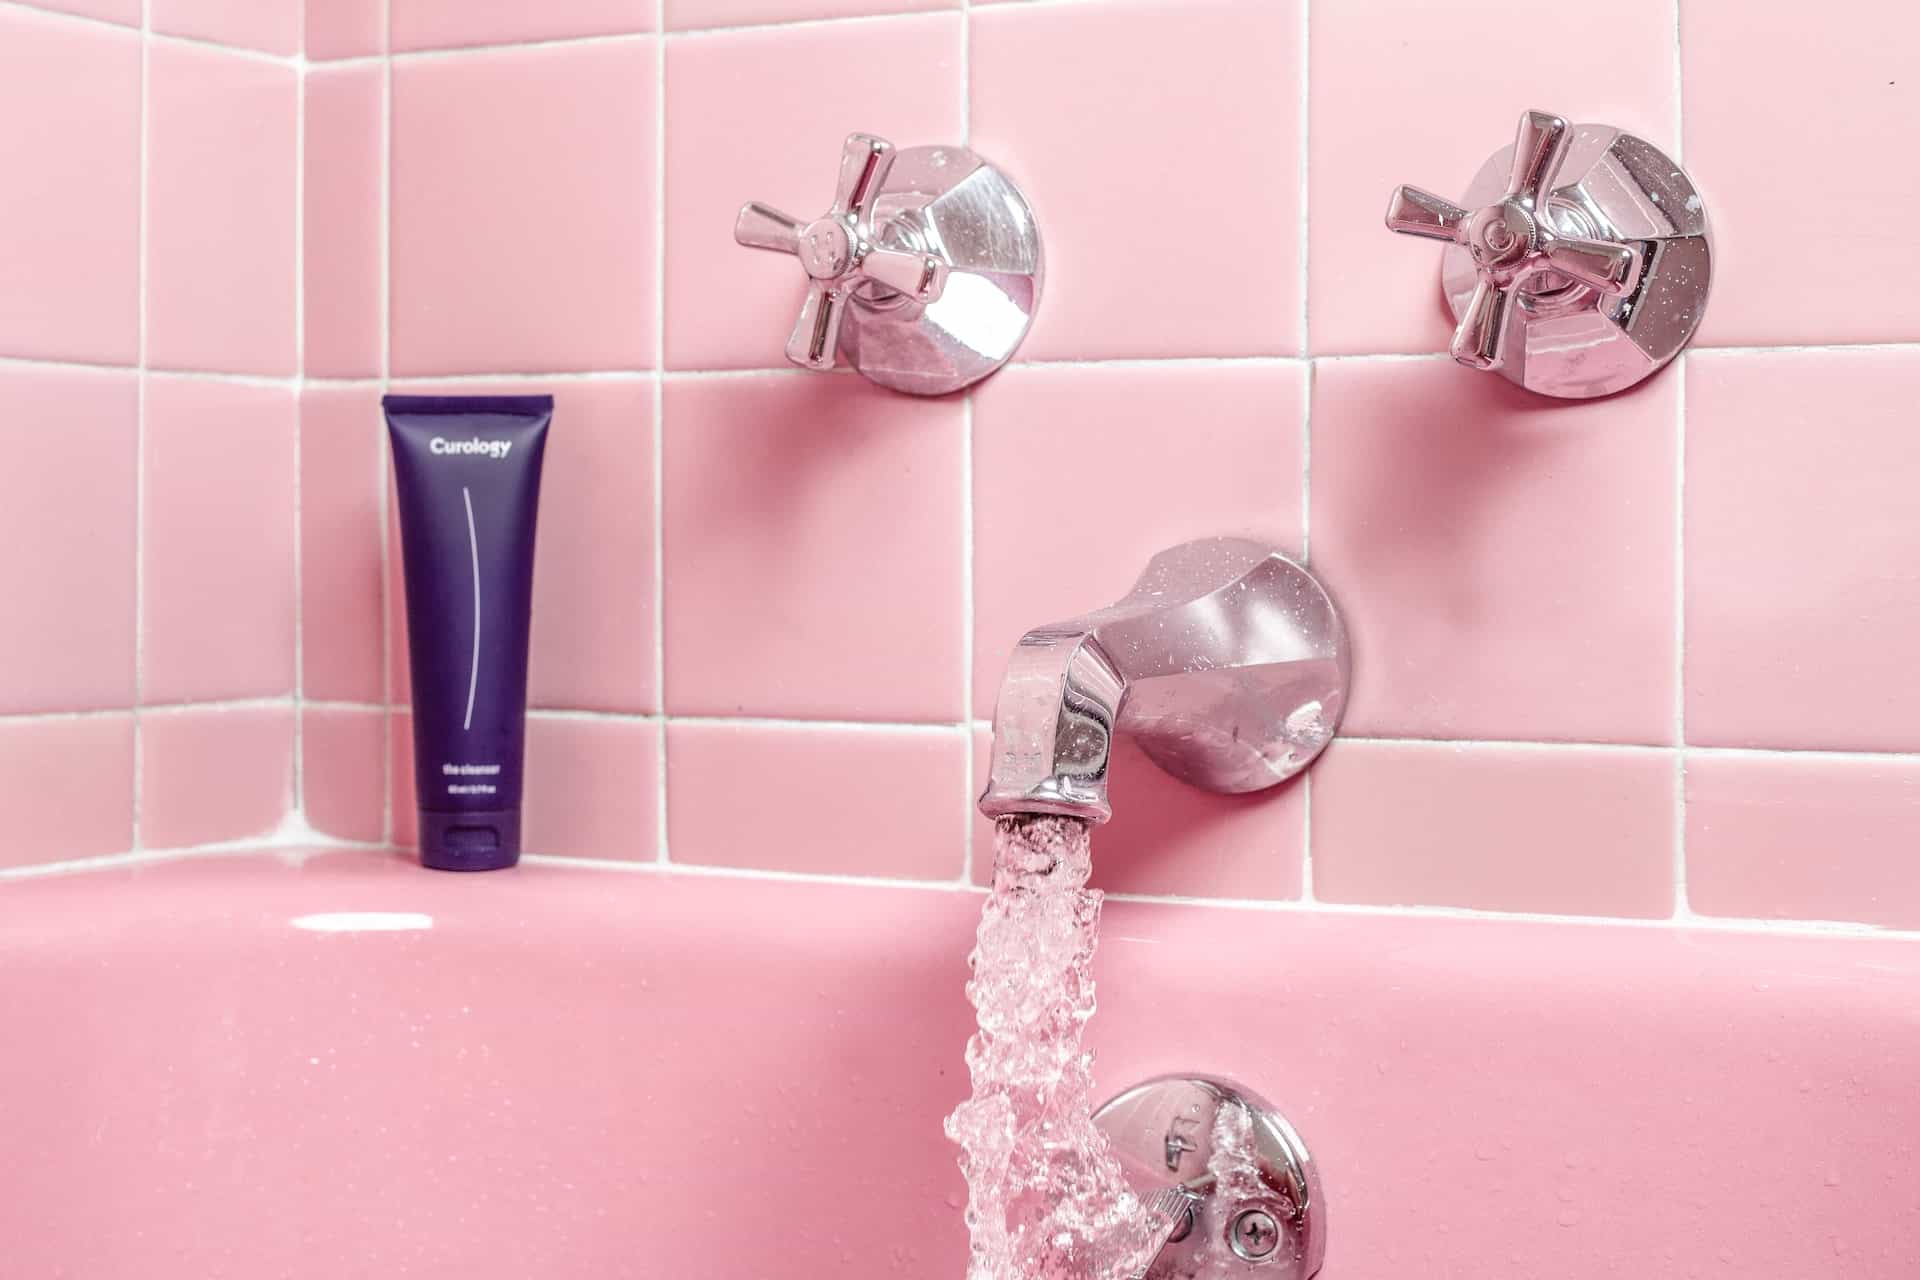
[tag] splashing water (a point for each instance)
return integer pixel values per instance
(1046, 1198)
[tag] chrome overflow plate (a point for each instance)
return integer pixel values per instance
(924, 272)
(1230, 1179)
(1578, 262)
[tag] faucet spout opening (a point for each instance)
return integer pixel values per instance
(1227, 663)
(1053, 727)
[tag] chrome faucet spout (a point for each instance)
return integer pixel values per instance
(1227, 663)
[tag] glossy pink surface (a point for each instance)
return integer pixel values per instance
(593, 788)
(1563, 830)
(1797, 640)
(810, 582)
(428, 24)
(70, 224)
(343, 464)
(877, 802)
(66, 788)
(1505, 562)
(526, 244)
(1853, 102)
(1808, 836)
(343, 771)
(218, 540)
(1147, 210)
(67, 492)
(345, 135)
(571, 1073)
(696, 14)
(269, 25)
(345, 28)
(213, 775)
(222, 138)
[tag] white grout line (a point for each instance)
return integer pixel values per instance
(1682, 908)
(802, 24)
(1306, 837)
(380, 450)
(136, 816)
(519, 46)
(1305, 142)
(973, 783)
(1679, 86)
(1302, 175)
(148, 710)
(299, 794)
(661, 853)
(302, 844)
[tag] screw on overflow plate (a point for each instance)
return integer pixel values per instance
(1254, 1235)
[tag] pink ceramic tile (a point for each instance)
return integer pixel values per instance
(345, 28)
(1856, 106)
(405, 815)
(813, 560)
(1398, 96)
(1141, 479)
(342, 473)
(899, 78)
(125, 12)
(70, 222)
(219, 531)
(67, 525)
(66, 788)
(210, 775)
(593, 642)
(682, 14)
(269, 25)
(1505, 561)
(1802, 605)
(1169, 838)
(593, 788)
(346, 129)
(1169, 232)
(875, 802)
(1568, 830)
(434, 24)
(1804, 837)
(523, 216)
(220, 211)
(343, 771)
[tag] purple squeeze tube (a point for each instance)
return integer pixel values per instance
(467, 470)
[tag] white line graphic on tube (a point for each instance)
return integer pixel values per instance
(473, 668)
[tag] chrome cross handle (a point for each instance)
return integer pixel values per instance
(840, 252)
(1514, 242)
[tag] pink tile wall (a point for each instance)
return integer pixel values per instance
(149, 226)
(1645, 657)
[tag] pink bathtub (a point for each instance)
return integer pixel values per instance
(254, 1067)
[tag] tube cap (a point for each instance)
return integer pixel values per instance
(480, 841)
